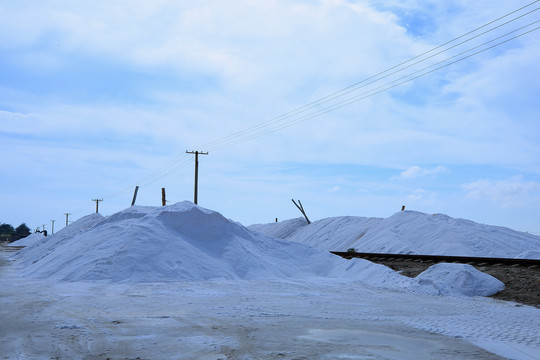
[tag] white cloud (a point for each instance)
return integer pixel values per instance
(417, 195)
(511, 192)
(416, 171)
(269, 57)
(421, 198)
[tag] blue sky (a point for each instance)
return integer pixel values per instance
(98, 98)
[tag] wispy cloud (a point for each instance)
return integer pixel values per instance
(416, 171)
(511, 192)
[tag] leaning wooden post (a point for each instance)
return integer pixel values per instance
(301, 208)
(134, 195)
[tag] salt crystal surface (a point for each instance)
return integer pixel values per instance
(187, 242)
(408, 232)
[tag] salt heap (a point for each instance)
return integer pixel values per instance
(186, 242)
(331, 234)
(28, 240)
(82, 224)
(171, 243)
(408, 232)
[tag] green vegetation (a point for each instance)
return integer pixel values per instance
(9, 233)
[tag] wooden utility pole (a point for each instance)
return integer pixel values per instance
(163, 199)
(196, 171)
(67, 216)
(135, 195)
(97, 204)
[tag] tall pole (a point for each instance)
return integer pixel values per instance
(97, 204)
(52, 227)
(67, 216)
(196, 172)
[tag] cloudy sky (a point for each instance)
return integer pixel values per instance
(353, 107)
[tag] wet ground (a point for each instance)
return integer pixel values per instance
(302, 319)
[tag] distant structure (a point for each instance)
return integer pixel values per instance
(97, 204)
(402, 207)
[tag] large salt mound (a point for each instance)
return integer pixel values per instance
(177, 242)
(407, 232)
(335, 233)
(438, 234)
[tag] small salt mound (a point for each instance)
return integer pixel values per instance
(80, 225)
(28, 240)
(44, 245)
(460, 279)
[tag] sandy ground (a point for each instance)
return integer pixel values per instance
(320, 319)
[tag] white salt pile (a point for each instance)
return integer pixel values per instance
(408, 232)
(28, 240)
(464, 279)
(177, 242)
(332, 234)
(68, 232)
(186, 242)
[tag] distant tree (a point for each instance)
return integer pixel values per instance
(6, 231)
(22, 231)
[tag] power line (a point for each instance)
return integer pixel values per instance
(367, 81)
(303, 113)
(377, 90)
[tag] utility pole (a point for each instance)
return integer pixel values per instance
(97, 204)
(52, 227)
(67, 216)
(196, 171)
(163, 198)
